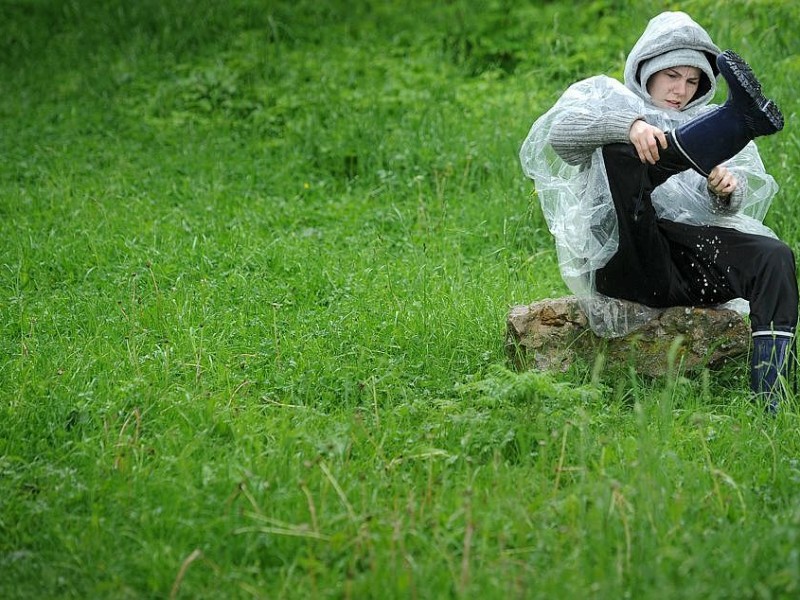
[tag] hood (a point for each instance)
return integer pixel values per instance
(664, 33)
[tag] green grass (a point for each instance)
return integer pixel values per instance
(256, 264)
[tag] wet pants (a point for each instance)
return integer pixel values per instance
(661, 263)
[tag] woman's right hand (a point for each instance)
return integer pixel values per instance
(646, 139)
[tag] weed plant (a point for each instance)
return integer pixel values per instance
(256, 263)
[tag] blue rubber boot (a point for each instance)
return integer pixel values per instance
(772, 366)
(719, 134)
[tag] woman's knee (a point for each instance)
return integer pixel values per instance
(778, 253)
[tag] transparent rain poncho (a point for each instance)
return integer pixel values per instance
(579, 210)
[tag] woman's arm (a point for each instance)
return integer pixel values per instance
(592, 113)
(578, 133)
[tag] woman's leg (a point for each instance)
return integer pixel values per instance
(641, 270)
(716, 262)
(719, 263)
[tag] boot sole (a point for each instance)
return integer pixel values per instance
(734, 65)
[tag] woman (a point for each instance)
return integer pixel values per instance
(656, 198)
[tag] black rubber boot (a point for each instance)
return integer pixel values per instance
(718, 135)
(772, 366)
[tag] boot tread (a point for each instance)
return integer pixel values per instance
(734, 66)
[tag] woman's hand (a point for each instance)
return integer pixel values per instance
(646, 139)
(721, 182)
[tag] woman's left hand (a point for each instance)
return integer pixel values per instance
(721, 181)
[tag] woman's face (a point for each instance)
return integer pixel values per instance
(674, 87)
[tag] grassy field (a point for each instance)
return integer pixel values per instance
(255, 266)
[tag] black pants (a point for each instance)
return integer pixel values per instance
(661, 263)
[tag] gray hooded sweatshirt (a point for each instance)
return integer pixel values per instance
(563, 155)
